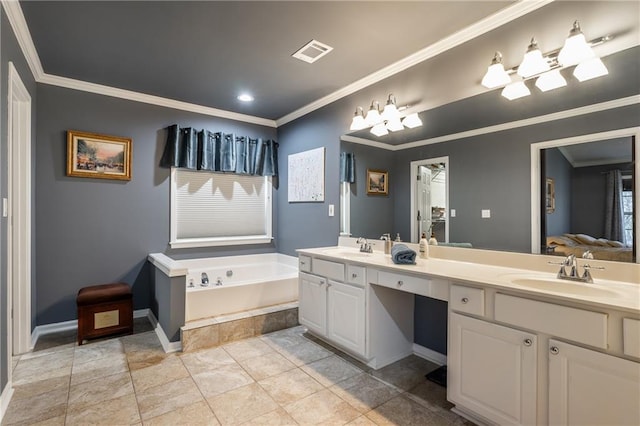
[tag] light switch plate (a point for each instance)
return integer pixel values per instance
(453, 212)
(486, 214)
(331, 209)
(5, 209)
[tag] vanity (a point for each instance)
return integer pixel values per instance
(523, 346)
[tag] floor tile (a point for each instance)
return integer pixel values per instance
(97, 350)
(405, 374)
(248, 348)
(28, 390)
(290, 386)
(198, 414)
(278, 417)
(57, 364)
(37, 408)
(118, 411)
(331, 370)
(167, 370)
(53, 421)
(107, 388)
(267, 365)
(364, 392)
(101, 367)
(67, 337)
(222, 379)
(242, 404)
(304, 353)
(167, 397)
(433, 397)
(361, 421)
(141, 342)
(322, 407)
(403, 411)
(206, 359)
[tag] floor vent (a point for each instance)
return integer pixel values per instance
(312, 51)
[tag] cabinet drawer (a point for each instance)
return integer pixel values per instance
(326, 268)
(631, 331)
(561, 321)
(467, 299)
(430, 287)
(304, 263)
(356, 275)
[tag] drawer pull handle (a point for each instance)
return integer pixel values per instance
(464, 300)
(303, 263)
(354, 275)
(528, 342)
(554, 350)
(321, 282)
(400, 282)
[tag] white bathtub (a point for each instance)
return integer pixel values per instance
(248, 282)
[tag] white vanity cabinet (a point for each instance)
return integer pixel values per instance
(492, 370)
(332, 303)
(590, 387)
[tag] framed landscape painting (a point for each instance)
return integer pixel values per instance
(377, 182)
(98, 156)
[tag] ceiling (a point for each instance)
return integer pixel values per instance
(611, 151)
(208, 52)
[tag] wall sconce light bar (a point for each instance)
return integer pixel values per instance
(381, 123)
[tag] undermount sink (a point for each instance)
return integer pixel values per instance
(564, 286)
(347, 253)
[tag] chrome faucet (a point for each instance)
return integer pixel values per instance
(365, 246)
(572, 262)
(204, 280)
(219, 281)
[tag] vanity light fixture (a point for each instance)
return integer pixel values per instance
(382, 122)
(545, 68)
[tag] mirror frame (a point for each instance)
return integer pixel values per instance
(413, 173)
(536, 189)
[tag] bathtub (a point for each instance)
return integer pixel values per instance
(239, 283)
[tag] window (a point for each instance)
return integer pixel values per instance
(627, 210)
(215, 209)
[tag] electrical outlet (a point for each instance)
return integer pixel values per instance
(486, 214)
(331, 210)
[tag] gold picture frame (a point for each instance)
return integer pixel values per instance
(91, 155)
(550, 195)
(377, 182)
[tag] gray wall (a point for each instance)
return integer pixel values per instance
(559, 169)
(10, 51)
(93, 231)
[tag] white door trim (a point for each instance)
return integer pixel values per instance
(19, 209)
(414, 196)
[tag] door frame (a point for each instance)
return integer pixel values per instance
(19, 211)
(414, 197)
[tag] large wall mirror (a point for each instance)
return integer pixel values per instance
(584, 195)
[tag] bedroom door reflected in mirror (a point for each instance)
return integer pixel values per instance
(590, 203)
(429, 199)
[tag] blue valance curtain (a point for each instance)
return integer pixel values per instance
(347, 167)
(219, 152)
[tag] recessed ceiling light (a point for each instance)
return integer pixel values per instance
(245, 97)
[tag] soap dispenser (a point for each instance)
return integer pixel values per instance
(424, 246)
(432, 240)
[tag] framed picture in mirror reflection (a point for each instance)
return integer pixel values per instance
(550, 199)
(377, 182)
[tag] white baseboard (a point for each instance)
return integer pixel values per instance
(429, 354)
(5, 398)
(56, 327)
(164, 340)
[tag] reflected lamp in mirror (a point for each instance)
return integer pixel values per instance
(382, 122)
(545, 68)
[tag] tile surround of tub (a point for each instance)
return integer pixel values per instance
(285, 377)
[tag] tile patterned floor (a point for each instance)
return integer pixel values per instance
(282, 378)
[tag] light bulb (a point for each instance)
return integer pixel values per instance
(533, 62)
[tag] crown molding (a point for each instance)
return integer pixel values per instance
(477, 29)
(19, 25)
(560, 115)
(130, 95)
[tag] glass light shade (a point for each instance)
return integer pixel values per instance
(591, 68)
(390, 112)
(394, 124)
(495, 76)
(379, 130)
(550, 80)
(412, 120)
(533, 62)
(358, 122)
(575, 50)
(515, 90)
(373, 117)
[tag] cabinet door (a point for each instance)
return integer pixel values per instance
(492, 370)
(346, 316)
(312, 308)
(589, 387)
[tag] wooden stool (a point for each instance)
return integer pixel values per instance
(103, 310)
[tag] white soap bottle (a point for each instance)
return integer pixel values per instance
(424, 246)
(432, 240)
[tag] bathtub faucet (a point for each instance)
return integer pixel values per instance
(219, 281)
(204, 280)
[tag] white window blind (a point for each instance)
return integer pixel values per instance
(219, 209)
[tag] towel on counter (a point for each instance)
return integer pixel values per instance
(403, 255)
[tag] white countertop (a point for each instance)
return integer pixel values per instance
(618, 295)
